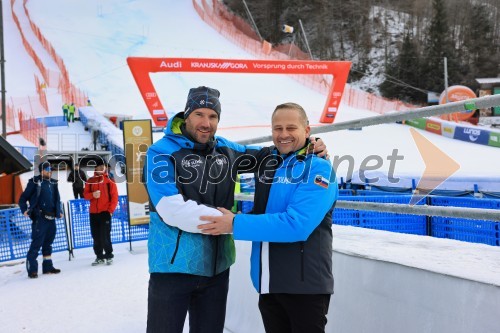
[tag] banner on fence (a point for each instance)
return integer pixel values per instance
(470, 134)
(494, 139)
(433, 126)
(448, 129)
(137, 137)
(142, 67)
(418, 123)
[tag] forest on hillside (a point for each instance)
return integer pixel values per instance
(397, 47)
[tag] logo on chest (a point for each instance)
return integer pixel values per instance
(194, 163)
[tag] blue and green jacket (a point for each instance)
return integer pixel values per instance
(291, 225)
(186, 180)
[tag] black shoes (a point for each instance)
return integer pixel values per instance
(52, 271)
(33, 275)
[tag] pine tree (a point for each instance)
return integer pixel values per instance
(439, 45)
(403, 74)
(482, 55)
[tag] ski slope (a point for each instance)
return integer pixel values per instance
(94, 37)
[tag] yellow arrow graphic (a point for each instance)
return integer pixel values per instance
(438, 166)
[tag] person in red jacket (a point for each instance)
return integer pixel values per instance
(103, 196)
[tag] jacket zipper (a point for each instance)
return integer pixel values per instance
(302, 261)
(176, 246)
(260, 269)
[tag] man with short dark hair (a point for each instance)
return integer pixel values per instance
(291, 263)
(42, 194)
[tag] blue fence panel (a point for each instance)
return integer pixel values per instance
(28, 152)
(376, 192)
(476, 231)
(53, 121)
(344, 193)
(465, 202)
(402, 223)
(120, 230)
(137, 232)
(15, 235)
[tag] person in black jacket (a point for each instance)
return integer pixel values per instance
(290, 226)
(78, 178)
(42, 194)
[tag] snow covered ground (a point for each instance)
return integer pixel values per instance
(94, 37)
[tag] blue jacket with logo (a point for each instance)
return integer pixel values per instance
(291, 225)
(186, 180)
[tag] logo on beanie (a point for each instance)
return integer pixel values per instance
(202, 97)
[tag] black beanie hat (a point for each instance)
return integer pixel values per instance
(44, 165)
(202, 97)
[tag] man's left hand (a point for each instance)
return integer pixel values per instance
(218, 225)
(319, 147)
(61, 215)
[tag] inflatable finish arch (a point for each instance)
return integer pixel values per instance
(141, 67)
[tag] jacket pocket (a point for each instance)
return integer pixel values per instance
(176, 246)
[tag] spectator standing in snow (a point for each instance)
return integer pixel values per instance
(103, 195)
(78, 178)
(42, 194)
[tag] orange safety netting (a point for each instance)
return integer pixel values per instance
(241, 33)
(30, 107)
(31, 129)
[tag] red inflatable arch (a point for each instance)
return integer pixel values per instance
(141, 67)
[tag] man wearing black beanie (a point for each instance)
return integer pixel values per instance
(189, 173)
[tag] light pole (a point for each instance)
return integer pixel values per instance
(2, 70)
(305, 38)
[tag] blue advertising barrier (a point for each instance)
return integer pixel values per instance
(15, 235)
(473, 135)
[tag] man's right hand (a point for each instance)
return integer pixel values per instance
(26, 213)
(96, 194)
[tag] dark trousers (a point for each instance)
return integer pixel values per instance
(172, 295)
(100, 228)
(78, 192)
(43, 232)
(294, 313)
